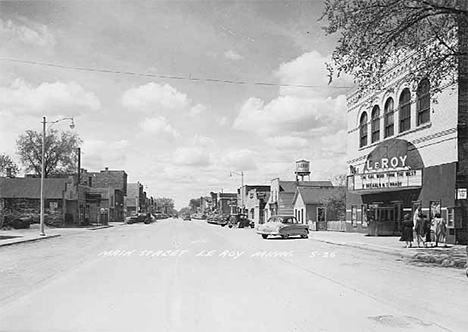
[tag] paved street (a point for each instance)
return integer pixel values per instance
(175, 275)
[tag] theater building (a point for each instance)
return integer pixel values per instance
(406, 149)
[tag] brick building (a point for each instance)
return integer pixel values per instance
(405, 151)
(106, 199)
(136, 199)
(20, 197)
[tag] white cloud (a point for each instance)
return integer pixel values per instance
(26, 32)
(205, 141)
(51, 98)
(223, 121)
(158, 125)
(155, 98)
(196, 110)
(98, 154)
(233, 55)
(287, 142)
(192, 156)
(289, 114)
(240, 160)
(309, 69)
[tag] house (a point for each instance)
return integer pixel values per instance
(282, 194)
(309, 205)
(407, 151)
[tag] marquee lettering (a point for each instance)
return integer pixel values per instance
(385, 163)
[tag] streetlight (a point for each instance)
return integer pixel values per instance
(242, 186)
(44, 122)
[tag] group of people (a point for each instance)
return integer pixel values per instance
(427, 232)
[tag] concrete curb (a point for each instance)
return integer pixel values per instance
(367, 247)
(18, 241)
(99, 227)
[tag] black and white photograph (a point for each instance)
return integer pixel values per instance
(233, 165)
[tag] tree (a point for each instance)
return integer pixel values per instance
(7, 163)
(335, 203)
(194, 204)
(164, 204)
(377, 33)
(59, 153)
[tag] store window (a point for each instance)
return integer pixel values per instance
(375, 124)
(363, 130)
(405, 110)
(423, 102)
(388, 117)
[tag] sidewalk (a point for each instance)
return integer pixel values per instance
(452, 256)
(15, 236)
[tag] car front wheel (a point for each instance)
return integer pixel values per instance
(264, 236)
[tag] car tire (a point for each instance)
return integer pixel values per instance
(264, 236)
(285, 236)
(305, 236)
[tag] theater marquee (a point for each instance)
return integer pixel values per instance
(394, 164)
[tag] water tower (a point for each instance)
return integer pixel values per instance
(302, 169)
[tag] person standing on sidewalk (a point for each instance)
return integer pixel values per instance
(407, 231)
(420, 229)
(440, 229)
(427, 231)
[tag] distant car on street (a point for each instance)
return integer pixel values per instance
(139, 217)
(240, 220)
(284, 226)
(186, 217)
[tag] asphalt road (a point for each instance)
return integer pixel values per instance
(176, 275)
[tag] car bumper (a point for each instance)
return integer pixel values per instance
(268, 232)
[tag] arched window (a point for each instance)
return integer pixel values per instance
(363, 130)
(388, 117)
(405, 110)
(375, 127)
(423, 105)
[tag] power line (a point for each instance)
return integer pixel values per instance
(172, 77)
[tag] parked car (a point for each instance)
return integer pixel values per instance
(186, 217)
(131, 219)
(149, 218)
(221, 219)
(284, 226)
(240, 220)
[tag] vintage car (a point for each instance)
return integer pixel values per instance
(284, 226)
(135, 218)
(240, 220)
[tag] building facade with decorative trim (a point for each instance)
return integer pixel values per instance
(404, 152)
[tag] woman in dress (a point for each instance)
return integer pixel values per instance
(420, 229)
(440, 229)
(407, 231)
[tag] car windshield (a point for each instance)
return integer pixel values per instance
(289, 220)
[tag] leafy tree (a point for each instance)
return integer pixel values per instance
(194, 204)
(374, 34)
(335, 203)
(164, 204)
(59, 152)
(7, 163)
(185, 210)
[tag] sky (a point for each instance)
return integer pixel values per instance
(198, 109)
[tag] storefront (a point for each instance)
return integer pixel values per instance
(393, 181)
